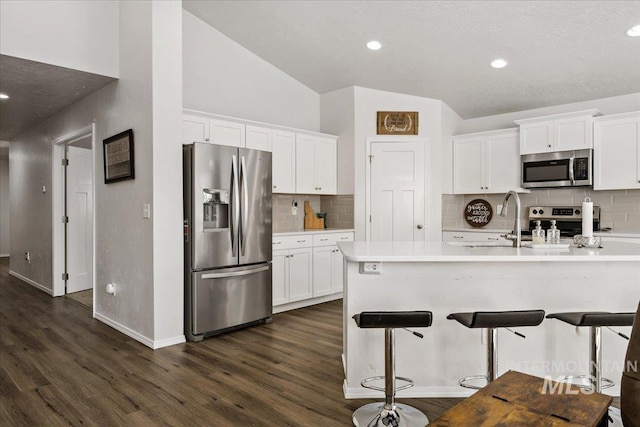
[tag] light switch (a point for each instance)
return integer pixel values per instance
(146, 211)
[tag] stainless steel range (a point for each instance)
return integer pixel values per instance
(568, 219)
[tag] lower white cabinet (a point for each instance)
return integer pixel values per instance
(307, 269)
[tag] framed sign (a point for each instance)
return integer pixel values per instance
(118, 157)
(397, 123)
(478, 213)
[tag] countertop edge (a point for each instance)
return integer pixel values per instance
(314, 231)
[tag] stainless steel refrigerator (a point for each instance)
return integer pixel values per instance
(227, 230)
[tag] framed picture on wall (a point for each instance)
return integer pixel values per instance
(118, 157)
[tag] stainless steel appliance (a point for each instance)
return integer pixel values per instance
(558, 169)
(568, 219)
(227, 207)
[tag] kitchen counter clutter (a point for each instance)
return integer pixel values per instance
(307, 267)
(445, 278)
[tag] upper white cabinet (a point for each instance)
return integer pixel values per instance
(486, 162)
(617, 151)
(194, 129)
(258, 138)
(560, 132)
(316, 164)
(283, 159)
(223, 132)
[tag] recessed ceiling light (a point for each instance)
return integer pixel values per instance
(499, 63)
(374, 45)
(634, 31)
(4, 96)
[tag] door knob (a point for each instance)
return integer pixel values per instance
(419, 227)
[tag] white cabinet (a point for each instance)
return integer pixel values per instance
(316, 164)
(194, 129)
(307, 268)
(328, 263)
(224, 132)
(560, 132)
(292, 269)
(472, 236)
(486, 162)
(258, 138)
(283, 158)
(617, 152)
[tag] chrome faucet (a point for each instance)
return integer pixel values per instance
(516, 234)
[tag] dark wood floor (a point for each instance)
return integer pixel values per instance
(58, 366)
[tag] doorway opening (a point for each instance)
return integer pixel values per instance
(74, 216)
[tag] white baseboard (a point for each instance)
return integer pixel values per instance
(306, 303)
(137, 336)
(4, 255)
(31, 282)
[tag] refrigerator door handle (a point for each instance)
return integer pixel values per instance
(245, 203)
(236, 273)
(235, 199)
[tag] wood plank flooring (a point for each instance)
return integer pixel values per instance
(58, 366)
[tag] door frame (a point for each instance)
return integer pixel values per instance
(58, 190)
(427, 194)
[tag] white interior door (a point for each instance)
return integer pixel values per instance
(80, 214)
(397, 191)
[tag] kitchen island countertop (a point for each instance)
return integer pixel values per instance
(449, 252)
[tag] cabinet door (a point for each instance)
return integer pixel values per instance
(322, 271)
(338, 267)
(305, 178)
(279, 277)
(573, 133)
(222, 132)
(258, 138)
(283, 146)
(502, 162)
(468, 165)
(536, 137)
(325, 165)
(617, 154)
(194, 129)
(300, 274)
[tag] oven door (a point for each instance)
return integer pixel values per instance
(557, 169)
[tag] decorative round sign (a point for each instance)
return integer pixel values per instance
(478, 213)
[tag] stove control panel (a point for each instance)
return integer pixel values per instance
(560, 212)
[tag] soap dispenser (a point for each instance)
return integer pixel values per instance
(537, 235)
(553, 234)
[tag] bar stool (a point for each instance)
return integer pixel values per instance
(595, 320)
(390, 413)
(492, 321)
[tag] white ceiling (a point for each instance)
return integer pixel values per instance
(559, 51)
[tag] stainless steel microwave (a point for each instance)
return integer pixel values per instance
(558, 169)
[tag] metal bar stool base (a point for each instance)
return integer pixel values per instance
(466, 382)
(585, 381)
(398, 415)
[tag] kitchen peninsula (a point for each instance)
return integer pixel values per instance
(446, 278)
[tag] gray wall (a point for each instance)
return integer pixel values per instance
(222, 77)
(123, 238)
(5, 224)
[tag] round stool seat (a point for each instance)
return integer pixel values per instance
(499, 319)
(594, 318)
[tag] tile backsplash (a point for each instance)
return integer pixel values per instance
(339, 211)
(619, 210)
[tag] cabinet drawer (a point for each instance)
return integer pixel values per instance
(292, 242)
(330, 239)
(470, 236)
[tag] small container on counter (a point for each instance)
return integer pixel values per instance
(537, 235)
(553, 234)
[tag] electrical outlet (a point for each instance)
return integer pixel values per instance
(27, 257)
(370, 268)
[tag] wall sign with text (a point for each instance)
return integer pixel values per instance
(397, 123)
(478, 213)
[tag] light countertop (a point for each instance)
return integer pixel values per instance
(315, 231)
(629, 234)
(445, 252)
